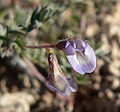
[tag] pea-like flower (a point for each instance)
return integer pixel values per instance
(80, 55)
(57, 80)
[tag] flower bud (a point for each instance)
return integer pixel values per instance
(57, 80)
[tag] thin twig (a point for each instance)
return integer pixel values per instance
(42, 46)
(35, 71)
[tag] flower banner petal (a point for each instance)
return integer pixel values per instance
(84, 59)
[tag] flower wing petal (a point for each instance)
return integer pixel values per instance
(90, 61)
(69, 49)
(60, 86)
(74, 63)
(72, 84)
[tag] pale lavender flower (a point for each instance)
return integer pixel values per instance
(80, 55)
(57, 80)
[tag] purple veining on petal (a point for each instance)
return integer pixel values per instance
(57, 81)
(84, 59)
(89, 67)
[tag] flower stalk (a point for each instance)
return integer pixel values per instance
(42, 46)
